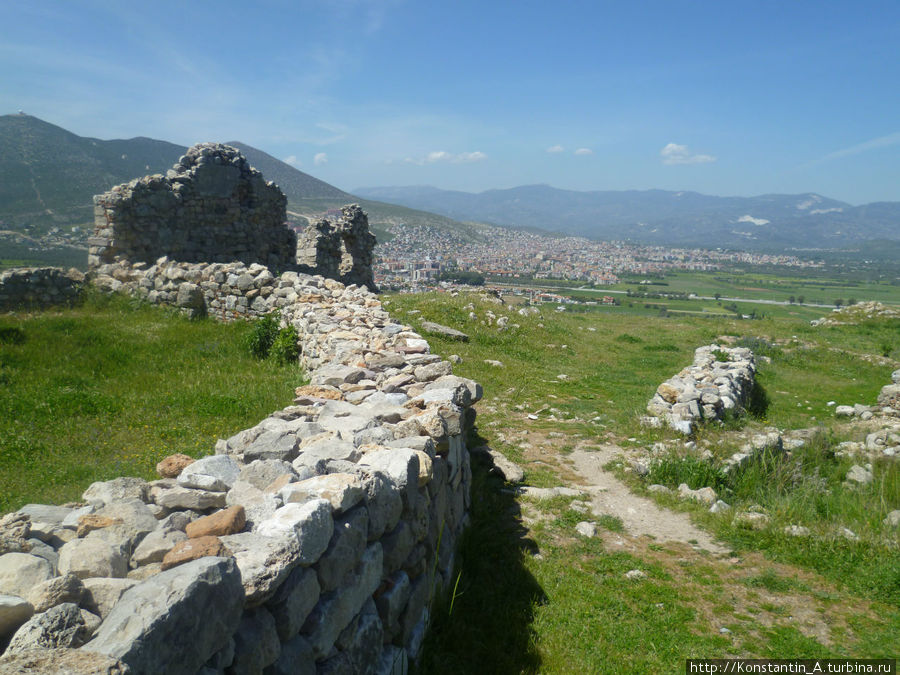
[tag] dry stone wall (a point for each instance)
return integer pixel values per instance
(720, 379)
(34, 287)
(211, 206)
(341, 250)
(313, 542)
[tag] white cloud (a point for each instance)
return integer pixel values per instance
(320, 159)
(555, 148)
(476, 156)
(444, 156)
(874, 144)
(584, 151)
(674, 153)
(751, 219)
(292, 160)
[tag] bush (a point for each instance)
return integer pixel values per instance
(697, 473)
(262, 335)
(284, 347)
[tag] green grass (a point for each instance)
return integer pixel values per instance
(110, 388)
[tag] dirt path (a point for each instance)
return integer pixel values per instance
(640, 515)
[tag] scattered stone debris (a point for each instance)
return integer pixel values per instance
(586, 529)
(853, 314)
(634, 575)
(444, 331)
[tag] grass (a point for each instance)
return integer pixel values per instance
(110, 388)
(568, 606)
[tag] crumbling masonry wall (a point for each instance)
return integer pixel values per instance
(341, 250)
(212, 206)
(312, 542)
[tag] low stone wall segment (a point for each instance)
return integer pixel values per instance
(39, 287)
(720, 379)
(313, 542)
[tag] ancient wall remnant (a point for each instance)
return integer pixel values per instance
(720, 379)
(212, 206)
(33, 287)
(314, 541)
(340, 250)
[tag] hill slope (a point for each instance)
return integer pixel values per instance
(662, 217)
(49, 175)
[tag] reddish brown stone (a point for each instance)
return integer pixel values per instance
(173, 465)
(318, 391)
(90, 522)
(192, 549)
(220, 523)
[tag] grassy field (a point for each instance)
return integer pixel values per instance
(534, 597)
(110, 388)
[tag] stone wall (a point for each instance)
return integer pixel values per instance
(34, 287)
(211, 206)
(340, 250)
(313, 542)
(720, 379)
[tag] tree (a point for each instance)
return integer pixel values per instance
(791, 299)
(800, 299)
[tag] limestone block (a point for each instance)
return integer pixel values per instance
(156, 628)
(20, 572)
(264, 562)
(342, 490)
(293, 601)
(391, 602)
(56, 591)
(335, 610)
(296, 658)
(215, 473)
(256, 643)
(102, 594)
(60, 626)
(14, 611)
(311, 523)
(104, 492)
(178, 497)
(399, 465)
(155, 545)
(345, 548)
(272, 445)
(261, 472)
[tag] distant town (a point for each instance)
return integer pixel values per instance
(418, 257)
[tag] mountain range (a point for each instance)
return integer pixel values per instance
(766, 222)
(48, 176)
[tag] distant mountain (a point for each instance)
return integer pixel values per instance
(766, 222)
(48, 175)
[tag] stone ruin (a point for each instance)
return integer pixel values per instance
(212, 206)
(340, 250)
(706, 389)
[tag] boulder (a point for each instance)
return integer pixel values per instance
(102, 594)
(20, 572)
(342, 490)
(264, 562)
(14, 611)
(92, 557)
(173, 465)
(311, 523)
(444, 331)
(155, 545)
(193, 549)
(216, 473)
(227, 521)
(293, 601)
(60, 626)
(156, 628)
(56, 591)
(102, 493)
(256, 643)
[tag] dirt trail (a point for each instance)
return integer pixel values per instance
(640, 515)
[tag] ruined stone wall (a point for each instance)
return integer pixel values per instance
(340, 250)
(720, 379)
(211, 206)
(35, 287)
(313, 542)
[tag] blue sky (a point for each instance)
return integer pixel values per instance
(725, 97)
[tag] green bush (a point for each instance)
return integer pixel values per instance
(697, 473)
(262, 335)
(284, 347)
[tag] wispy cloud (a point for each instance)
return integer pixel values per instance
(674, 153)
(444, 156)
(320, 159)
(873, 144)
(555, 148)
(292, 160)
(584, 151)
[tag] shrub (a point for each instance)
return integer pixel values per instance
(284, 347)
(262, 335)
(697, 473)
